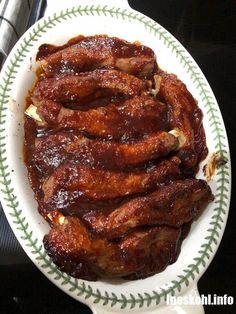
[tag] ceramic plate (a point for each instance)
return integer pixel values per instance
(17, 197)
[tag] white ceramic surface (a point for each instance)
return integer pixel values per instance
(114, 18)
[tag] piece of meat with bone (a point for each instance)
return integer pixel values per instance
(87, 86)
(141, 253)
(185, 116)
(171, 205)
(54, 149)
(112, 148)
(130, 119)
(94, 52)
(70, 183)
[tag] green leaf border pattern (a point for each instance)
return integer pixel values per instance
(223, 175)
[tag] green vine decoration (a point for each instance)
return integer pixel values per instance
(81, 288)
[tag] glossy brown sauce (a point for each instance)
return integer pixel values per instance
(34, 132)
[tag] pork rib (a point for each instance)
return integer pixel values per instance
(186, 116)
(140, 254)
(87, 53)
(89, 85)
(54, 149)
(69, 183)
(50, 150)
(133, 118)
(171, 205)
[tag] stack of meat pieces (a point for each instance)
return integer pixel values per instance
(112, 154)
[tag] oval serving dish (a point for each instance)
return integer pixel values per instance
(114, 18)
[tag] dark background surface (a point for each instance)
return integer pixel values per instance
(207, 29)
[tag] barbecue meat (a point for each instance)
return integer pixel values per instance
(138, 255)
(70, 183)
(171, 205)
(112, 148)
(50, 150)
(89, 85)
(54, 149)
(130, 119)
(93, 52)
(186, 116)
